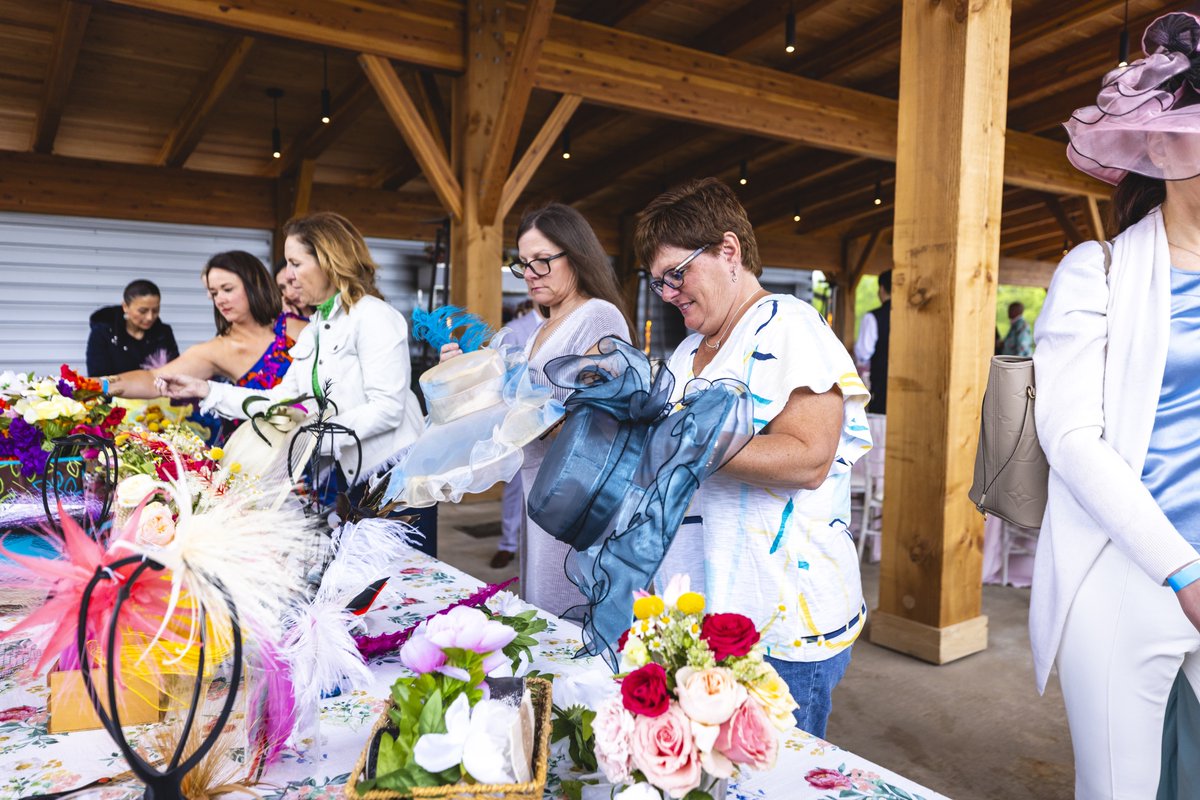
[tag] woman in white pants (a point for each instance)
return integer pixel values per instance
(1116, 601)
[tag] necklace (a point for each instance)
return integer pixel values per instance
(1184, 249)
(725, 328)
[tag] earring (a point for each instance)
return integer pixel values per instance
(733, 275)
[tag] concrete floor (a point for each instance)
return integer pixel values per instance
(972, 730)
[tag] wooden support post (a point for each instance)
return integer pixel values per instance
(949, 184)
(476, 242)
(628, 276)
(304, 184)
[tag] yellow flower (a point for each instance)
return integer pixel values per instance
(153, 426)
(216, 454)
(235, 468)
(648, 606)
(772, 694)
(121, 439)
(691, 602)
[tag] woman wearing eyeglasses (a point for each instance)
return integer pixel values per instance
(765, 535)
(572, 283)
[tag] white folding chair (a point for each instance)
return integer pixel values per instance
(872, 515)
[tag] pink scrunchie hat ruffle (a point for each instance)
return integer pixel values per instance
(1147, 116)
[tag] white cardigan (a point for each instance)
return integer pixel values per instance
(1101, 352)
(363, 359)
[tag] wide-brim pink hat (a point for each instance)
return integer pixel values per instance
(1146, 118)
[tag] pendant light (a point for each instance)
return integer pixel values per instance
(1123, 58)
(276, 139)
(789, 31)
(744, 173)
(326, 101)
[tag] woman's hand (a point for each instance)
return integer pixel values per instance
(449, 351)
(1189, 599)
(181, 387)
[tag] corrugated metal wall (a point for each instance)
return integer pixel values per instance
(55, 271)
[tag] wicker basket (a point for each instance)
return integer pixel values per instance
(539, 690)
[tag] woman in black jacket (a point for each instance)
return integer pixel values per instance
(130, 336)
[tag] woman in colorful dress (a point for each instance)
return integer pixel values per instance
(253, 334)
(354, 355)
(766, 534)
(571, 281)
(1115, 604)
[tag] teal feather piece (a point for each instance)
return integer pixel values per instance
(438, 327)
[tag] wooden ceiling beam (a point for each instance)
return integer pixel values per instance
(68, 40)
(1064, 221)
(1051, 112)
(314, 140)
(789, 181)
(227, 71)
(880, 36)
(623, 70)
(620, 13)
(407, 118)
(633, 157)
(428, 97)
(1025, 272)
(394, 176)
(502, 143)
(423, 32)
(751, 23)
(1041, 21)
(542, 144)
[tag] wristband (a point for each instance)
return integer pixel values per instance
(104, 386)
(1185, 577)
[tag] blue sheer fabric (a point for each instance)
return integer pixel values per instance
(1172, 470)
(629, 466)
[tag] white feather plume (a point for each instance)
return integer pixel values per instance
(364, 552)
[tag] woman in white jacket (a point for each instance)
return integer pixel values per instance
(1116, 601)
(354, 353)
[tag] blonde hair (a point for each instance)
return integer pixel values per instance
(340, 251)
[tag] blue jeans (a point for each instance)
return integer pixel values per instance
(811, 684)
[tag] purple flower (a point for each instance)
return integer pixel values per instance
(421, 655)
(469, 629)
(24, 444)
(66, 389)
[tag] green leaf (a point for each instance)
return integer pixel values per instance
(572, 790)
(696, 794)
(389, 759)
(433, 717)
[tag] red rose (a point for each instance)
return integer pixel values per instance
(621, 642)
(644, 691)
(728, 635)
(114, 418)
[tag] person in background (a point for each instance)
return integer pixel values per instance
(568, 276)
(871, 349)
(765, 535)
(253, 336)
(1115, 604)
(290, 293)
(1019, 340)
(132, 335)
(522, 327)
(354, 355)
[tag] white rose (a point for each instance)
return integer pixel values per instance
(613, 729)
(155, 526)
(639, 791)
(709, 696)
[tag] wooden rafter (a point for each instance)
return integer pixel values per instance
(428, 97)
(1095, 219)
(713, 163)
(404, 114)
(879, 37)
(1048, 19)
(786, 184)
(542, 143)
(68, 39)
(1049, 113)
(348, 107)
(394, 175)
(620, 13)
(227, 71)
(1064, 220)
(746, 26)
(637, 155)
(503, 140)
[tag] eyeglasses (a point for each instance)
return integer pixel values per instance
(518, 267)
(674, 276)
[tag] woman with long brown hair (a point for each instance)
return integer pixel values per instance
(572, 283)
(353, 355)
(253, 337)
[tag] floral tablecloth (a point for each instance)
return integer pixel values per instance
(33, 761)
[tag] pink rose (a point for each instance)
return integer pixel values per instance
(749, 738)
(709, 696)
(613, 727)
(665, 753)
(827, 779)
(155, 525)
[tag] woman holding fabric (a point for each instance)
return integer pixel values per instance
(353, 354)
(1116, 602)
(765, 535)
(253, 335)
(570, 279)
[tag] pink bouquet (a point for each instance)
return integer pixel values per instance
(697, 700)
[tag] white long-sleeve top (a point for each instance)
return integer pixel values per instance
(362, 356)
(868, 338)
(1101, 352)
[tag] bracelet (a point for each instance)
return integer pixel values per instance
(104, 385)
(1185, 577)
